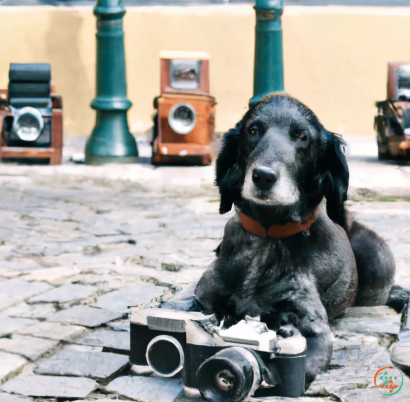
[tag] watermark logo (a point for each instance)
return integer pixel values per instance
(388, 381)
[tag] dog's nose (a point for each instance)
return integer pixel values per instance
(264, 177)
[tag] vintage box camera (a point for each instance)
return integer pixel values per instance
(30, 116)
(224, 364)
(184, 123)
(392, 123)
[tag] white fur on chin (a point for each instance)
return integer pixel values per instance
(283, 192)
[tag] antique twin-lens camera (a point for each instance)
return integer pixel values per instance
(224, 364)
(392, 123)
(31, 114)
(184, 123)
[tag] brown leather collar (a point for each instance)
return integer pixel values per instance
(274, 231)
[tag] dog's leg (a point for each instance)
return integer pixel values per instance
(319, 353)
(375, 266)
(312, 322)
(212, 291)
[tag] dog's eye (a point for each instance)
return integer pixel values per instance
(253, 131)
(303, 137)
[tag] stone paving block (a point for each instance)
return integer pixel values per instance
(137, 370)
(193, 395)
(146, 389)
(369, 311)
(27, 346)
(182, 300)
(99, 366)
(10, 365)
(404, 336)
(83, 348)
(370, 395)
(378, 319)
(50, 387)
(54, 276)
(9, 325)
(123, 325)
(97, 399)
(400, 356)
(120, 300)
(111, 341)
(54, 330)
(25, 310)
(64, 294)
(48, 213)
(17, 265)
(85, 316)
(98, 226)
(338, 380)
(13, 398)
(349, 340)
(371, 357)
(16, 290)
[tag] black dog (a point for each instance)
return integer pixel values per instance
(276, 167)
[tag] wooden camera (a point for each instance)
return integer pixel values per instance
(31, 118)
(392, 123)
(184, 123)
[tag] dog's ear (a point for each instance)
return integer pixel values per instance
(226, 160)
(336, 182)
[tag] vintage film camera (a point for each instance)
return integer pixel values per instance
(184, 123)
(30, 115)
(224, 364)
(392, 123)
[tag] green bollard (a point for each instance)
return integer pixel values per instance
(111, 140)
(268, 67)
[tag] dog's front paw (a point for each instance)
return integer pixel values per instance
(398, 299)
(288, 319)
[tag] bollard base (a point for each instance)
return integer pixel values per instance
(96, 160)
(258, 98)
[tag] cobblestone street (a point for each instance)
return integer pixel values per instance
(79, 245)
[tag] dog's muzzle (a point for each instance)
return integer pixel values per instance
(270, 186)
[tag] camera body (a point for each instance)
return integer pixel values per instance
(184, 122)
(30, 115)
(392, 122)
(224, 364)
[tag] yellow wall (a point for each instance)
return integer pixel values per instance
(335, 57)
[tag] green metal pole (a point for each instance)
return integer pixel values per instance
(111, 140)
(268, 68)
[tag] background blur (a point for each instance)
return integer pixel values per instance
(335, 55)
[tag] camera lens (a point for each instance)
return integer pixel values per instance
(182, 118)
(28, 124)
(231, 375)
(225, 380)
(165, 356)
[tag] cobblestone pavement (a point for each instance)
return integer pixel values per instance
(78, 245)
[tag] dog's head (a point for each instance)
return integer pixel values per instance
(279, 155)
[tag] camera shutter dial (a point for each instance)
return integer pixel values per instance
(230, 375)
(182, 118)
(165, 355)
(28, 124)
